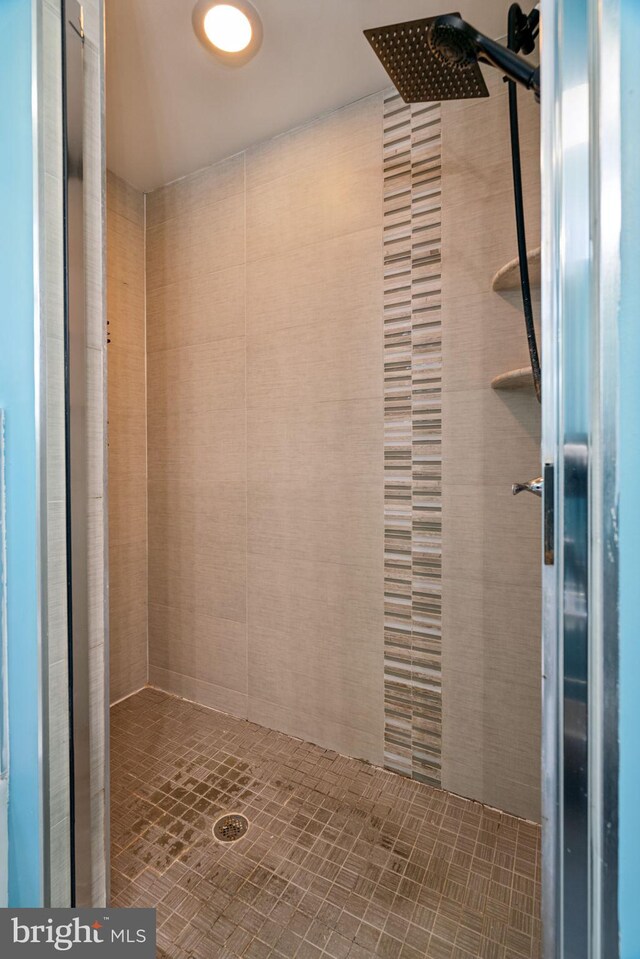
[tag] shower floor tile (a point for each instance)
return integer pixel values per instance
(341, 859)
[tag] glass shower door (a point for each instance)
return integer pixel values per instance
(590, 441)
(565, 451)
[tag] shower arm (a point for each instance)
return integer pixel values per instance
(514, 67)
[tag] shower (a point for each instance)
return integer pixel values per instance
(313, 618)
(437, 58)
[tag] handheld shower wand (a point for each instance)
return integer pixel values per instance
(457, 44)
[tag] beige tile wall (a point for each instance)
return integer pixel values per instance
(127, 438)
(265, 441)
(491, 541)
(197, 437)
(315, 421)
(265, 419)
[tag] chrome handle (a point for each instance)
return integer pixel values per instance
(535, 486)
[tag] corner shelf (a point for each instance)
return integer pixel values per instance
(514, 380)
(508, 276)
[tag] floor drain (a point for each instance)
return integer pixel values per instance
(230, 827)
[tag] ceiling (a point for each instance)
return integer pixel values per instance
(172, 107)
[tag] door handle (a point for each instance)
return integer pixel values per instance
(543, 486)
(535, 486)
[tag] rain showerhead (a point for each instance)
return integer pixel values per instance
(421, 71)
(437, 58)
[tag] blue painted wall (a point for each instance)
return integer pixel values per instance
(17, 397)
(629, 466)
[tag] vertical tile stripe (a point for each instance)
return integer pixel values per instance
(413, 438)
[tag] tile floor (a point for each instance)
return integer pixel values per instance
(341, 859)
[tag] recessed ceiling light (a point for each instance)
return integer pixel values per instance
(232, 31)
(228, 28)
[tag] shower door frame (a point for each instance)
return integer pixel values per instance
(581, 230)
(76, 452)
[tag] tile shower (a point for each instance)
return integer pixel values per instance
(315, 559)
(341, 859)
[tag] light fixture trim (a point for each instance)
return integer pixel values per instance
(232, 57)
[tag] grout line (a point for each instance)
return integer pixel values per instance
(128, 696)
(284, 254)
(191, 609)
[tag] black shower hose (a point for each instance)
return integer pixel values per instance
(520, 222)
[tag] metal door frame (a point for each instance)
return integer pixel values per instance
(76, 453)
(581, 165)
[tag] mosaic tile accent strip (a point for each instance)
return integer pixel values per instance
(413, 424)
(342, 860)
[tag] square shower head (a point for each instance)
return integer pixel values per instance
(419, 71)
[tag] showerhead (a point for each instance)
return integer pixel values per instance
(438, 59)
(429, 59)
(452, 46)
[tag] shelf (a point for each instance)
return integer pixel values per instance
(508, 277)
(514, 380)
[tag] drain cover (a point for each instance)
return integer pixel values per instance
(230, 827)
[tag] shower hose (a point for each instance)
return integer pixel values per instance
(512, 39)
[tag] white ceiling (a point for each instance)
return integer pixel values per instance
(172, 107)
